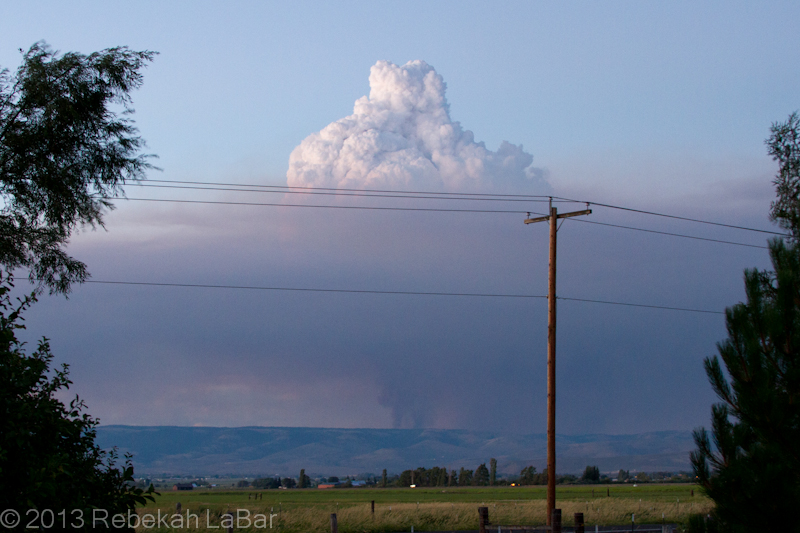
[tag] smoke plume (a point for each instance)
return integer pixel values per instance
(402, 137)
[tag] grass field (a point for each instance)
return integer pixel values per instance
(431, 509)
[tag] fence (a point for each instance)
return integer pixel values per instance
(485, 526)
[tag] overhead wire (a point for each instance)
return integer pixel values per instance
(676, 217)
(424, 209)
(381, 193)
(416, 196)
(386, 292)
(573, 219)
(357, 207)
(486, 196)
(387, 191)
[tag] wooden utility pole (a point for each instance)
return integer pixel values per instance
(551, 352)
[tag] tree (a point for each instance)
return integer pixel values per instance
(405, 479)
(64, 153)
(464, 477)
(383, 478)
(492, 471)
(527, 475)
(303, 481)
(481, 477)
(784, 146)
(266, 483)
(751, 471)
(591, 475)
(48, 457)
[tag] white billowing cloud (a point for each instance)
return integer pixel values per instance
(402, 137)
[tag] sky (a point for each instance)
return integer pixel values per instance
(657, 106)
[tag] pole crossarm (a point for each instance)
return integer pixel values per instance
(562, 215)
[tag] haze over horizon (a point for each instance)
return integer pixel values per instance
(660, 107)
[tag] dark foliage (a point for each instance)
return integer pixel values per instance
(464, 477)
(266, 483)
(64, 153)
(528, 476)
(752, 469)
(784, 146)
(481, 477)
(591, 475)
(303, 481)
(48, 457)
(423, 477)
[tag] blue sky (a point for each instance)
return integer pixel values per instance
(658, 105)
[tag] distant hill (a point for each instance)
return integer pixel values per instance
(252, 451)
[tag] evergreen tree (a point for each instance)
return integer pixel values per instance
(481, 477)
(383, 479)
(751, 472)
(492, 471)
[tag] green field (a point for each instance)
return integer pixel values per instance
(650, 492)
(430, 509)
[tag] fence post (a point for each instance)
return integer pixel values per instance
(555, 521)
(178, 508)
(372, 508)
(334, 525)
(579, 523)
(230, 526)
(483, 519)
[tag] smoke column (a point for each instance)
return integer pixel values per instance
(402, 137)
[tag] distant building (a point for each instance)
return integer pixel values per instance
(183, 486)
(326, 485)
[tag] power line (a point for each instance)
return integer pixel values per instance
(412, 195)
(671, 234)
(482, 195)
(360, 207)
(403, 293)
(439, 210)
(388, 191)
(606, 302)
(303, 289)
(699, 221)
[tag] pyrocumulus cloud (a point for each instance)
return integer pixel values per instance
(402, 137)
